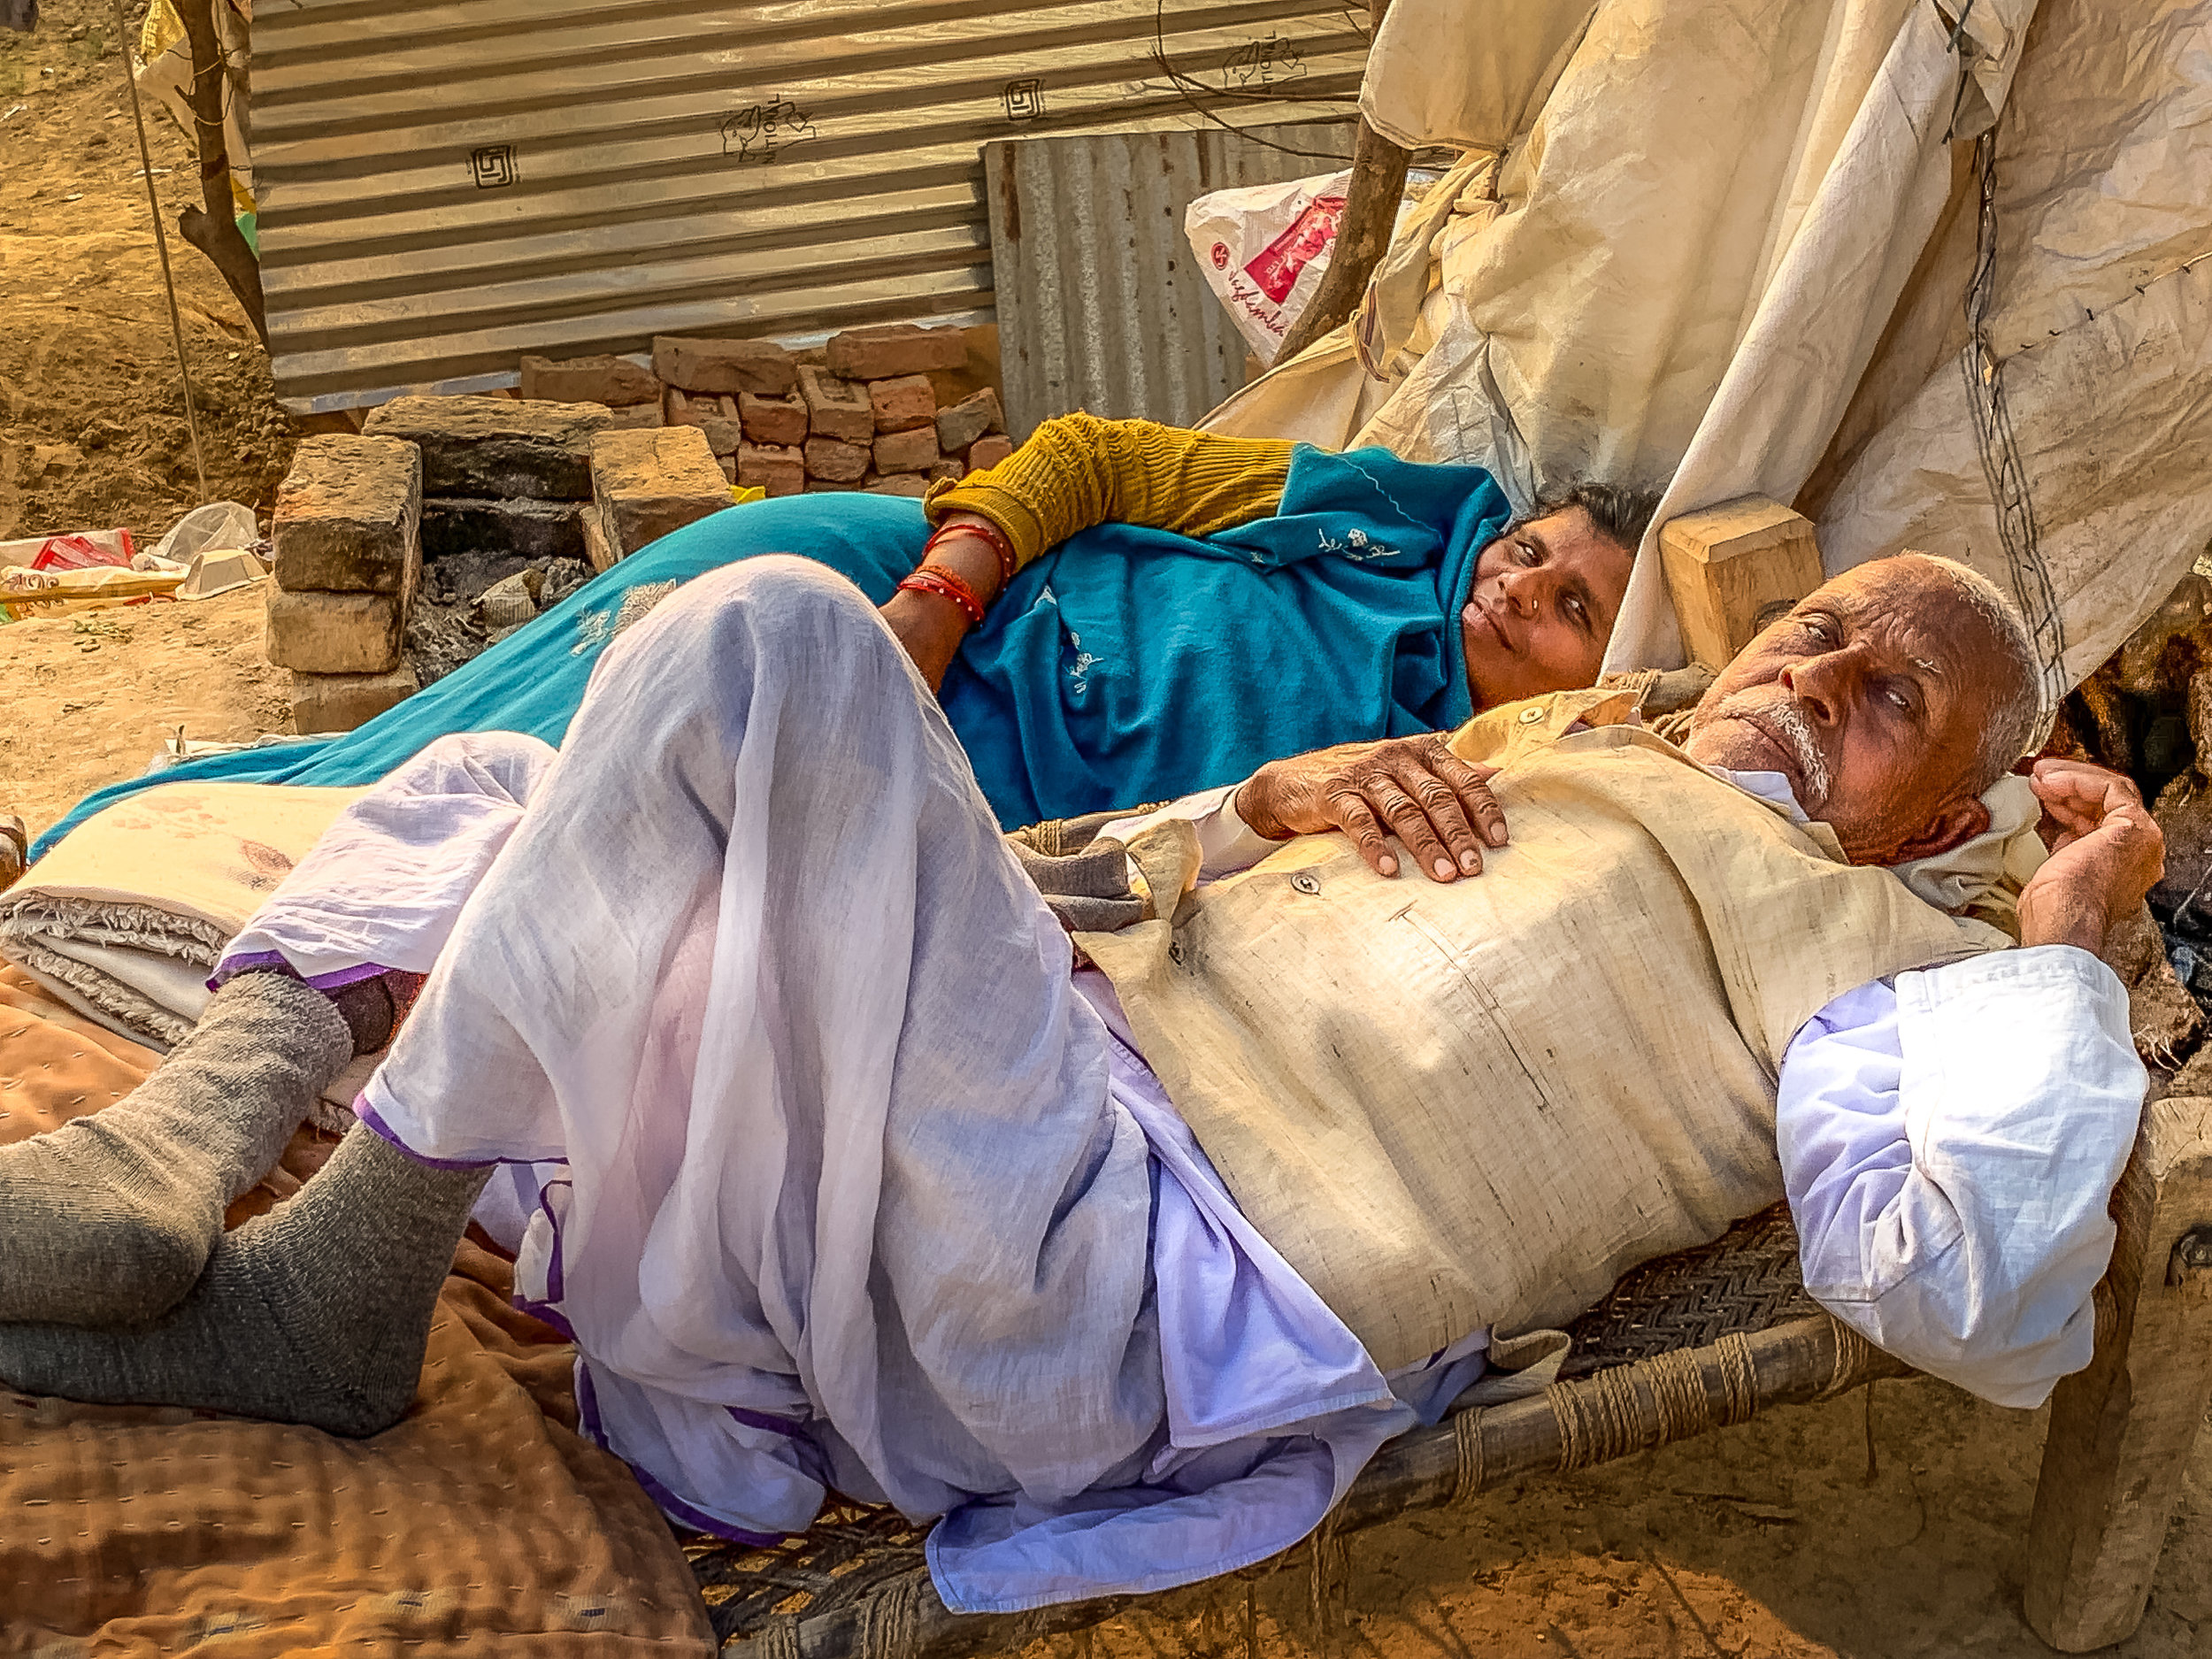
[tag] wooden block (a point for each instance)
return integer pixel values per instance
(2121, 1431)
(1732, 569)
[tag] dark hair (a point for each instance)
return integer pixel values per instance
(1621, 516)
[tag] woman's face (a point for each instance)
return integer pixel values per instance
(1543, 600)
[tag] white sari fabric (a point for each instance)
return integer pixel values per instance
(757, 968)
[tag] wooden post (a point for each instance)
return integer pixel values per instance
(213, 229)
(2121, 1431)
(1732, 569)
(1363, 235)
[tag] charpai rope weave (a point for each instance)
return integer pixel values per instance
(1667, 1355)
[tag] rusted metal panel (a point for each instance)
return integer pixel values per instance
(1100, 306)
(445, 186)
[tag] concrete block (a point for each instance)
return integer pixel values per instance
(614, 381)
(498, 446)
(778, 470)
(779, 421)
(723, 436)
(899, 484)
(834, 408)
(988, 452)
(338, 703)
(646, 484)
(969, 420)
(902, 405)
(528, 529)
(723, 365)
(878, 353)
(337, 633)
(914, 451)
(347, 516)
(639, 415)
(834, 461)
(1732, 569)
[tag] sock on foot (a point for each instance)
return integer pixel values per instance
(315, 1313)
(108, 1219)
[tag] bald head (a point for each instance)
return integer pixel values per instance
(1889, 697)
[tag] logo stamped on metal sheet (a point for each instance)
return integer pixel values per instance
(761, 131)
(1024, 99)
(492, 167)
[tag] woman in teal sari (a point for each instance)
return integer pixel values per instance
(1183, 609)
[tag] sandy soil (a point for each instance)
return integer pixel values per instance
(1767, 1539)
(93, 699)
(92, 418)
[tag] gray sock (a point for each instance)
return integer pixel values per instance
(315, 1313)
(108, 1219)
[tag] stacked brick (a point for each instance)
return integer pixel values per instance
(863, 412)
(347, 534)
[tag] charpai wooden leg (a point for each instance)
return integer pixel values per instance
(2121, 1431)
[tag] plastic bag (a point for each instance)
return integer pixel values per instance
(81, 550)
(219, 526)
(1263, 247)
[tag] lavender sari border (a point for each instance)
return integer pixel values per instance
(258, 961)
(667, 1502)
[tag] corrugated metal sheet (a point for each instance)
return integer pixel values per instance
(445, 186)
(1101, 305)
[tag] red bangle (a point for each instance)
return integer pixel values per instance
(990, 532)
(936, 579)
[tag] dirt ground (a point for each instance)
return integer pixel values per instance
(1766, 1540)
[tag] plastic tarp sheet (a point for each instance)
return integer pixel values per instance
(1729, 249)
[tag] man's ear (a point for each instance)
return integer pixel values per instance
(1958, 820)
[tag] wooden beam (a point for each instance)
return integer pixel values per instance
(1732, 569)
(2121, 1431)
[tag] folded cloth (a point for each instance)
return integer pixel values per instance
(124, 919)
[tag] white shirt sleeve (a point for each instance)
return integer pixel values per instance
(1949, 1142)
(1227, 844)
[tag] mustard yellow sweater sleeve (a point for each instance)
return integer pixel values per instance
(1076, 471)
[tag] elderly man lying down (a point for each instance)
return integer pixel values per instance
(845, 1176)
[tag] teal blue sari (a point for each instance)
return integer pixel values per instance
(1126, 666)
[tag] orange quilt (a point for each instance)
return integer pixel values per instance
(481, 1524)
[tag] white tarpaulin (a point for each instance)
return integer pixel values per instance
(1732, 252)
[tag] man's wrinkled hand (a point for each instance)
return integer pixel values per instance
(1439, 807)
(2106, 852)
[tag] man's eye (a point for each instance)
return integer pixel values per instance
(1821, 629)
(1899, 698)
(1529, 555)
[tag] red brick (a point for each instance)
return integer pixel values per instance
(639, 415)
(726, 406)
(781, 422)
(614, 381)
(681, 410)
(950, 469)
(969, 420)
(898, 484)
(723, 365)
(876, 353)
(902, 405)
(914, 451)
(835, 408)
(836, 462)
(723, 436)
(988, 452)
(780, 471)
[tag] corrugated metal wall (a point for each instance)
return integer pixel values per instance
(445, 186)
(1100, 303)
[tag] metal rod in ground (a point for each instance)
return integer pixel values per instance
(161, 242)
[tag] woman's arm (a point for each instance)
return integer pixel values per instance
(1075, 472)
